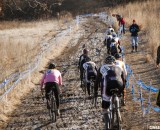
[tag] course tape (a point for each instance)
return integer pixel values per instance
(17, 77)
(141, 85)
(45, 47)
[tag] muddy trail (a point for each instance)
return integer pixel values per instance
(76, 114)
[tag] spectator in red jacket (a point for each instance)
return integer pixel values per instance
(122, 25)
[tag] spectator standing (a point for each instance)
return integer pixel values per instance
(134, 29)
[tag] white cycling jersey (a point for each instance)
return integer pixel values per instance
(122, 65)
(104, 70)
(86, 65)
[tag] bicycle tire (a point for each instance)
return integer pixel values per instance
(53, 109)
(112, 117)
(92, 93)
(118, 115)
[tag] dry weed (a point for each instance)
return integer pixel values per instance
(147, 16)
(148, 58)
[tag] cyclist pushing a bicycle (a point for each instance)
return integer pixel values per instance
(51, 80)
(90, 72)
(110, 76)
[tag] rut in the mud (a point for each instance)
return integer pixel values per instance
(32, 113)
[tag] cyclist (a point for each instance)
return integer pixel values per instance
(110, 30)
(107, 41)
(114, 46)
(122, 65)
(117, 40)
(52, 79)
(134, 29)
(109, 76)
(82, 60)
(90, 72)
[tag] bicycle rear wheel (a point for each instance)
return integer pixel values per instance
(118, 116)
(52, 109)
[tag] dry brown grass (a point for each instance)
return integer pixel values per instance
(147, 16)
(7, 105)
(20, 43)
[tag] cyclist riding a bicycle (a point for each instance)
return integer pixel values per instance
(82, 60)
(51, 80)
(122, 65)
(110, 76)
(110, 30)
(90, 72)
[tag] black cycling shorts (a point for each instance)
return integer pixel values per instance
(51, 85)
(112, 84)
(91, 75)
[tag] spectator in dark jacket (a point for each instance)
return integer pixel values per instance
(134, 29)
(158, 56)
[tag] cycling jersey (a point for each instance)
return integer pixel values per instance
(117, 40)
(52, 75)
(110, 76)
(90, 70)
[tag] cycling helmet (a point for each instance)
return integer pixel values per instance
(110, 59)
(51, 66)
(114, 34)
(85, 51)
(117, 55)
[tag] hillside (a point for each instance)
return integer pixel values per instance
(24, 107)
(31, 113)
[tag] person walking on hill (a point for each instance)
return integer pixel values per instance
(82, 60)
(158, 56)
(134, 29)
(122, 25)
(90, 69)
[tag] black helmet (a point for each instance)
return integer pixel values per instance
(51, 66)
(110, 59)
(85, 51)
(117, 55)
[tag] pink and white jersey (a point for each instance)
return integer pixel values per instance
(52, 75)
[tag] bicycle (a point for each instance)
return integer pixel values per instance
(113, 118)
(92, 81)
(52, 107)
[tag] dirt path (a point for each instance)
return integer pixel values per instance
(75, 114)
(32, 113)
